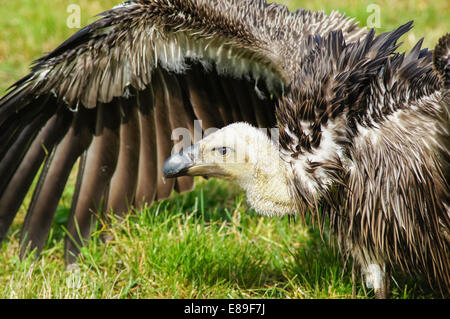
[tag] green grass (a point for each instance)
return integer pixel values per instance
(191, 246)
(205, 244)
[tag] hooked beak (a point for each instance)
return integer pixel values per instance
(179, 164)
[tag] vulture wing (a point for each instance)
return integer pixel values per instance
(111, 95)
(375, 123)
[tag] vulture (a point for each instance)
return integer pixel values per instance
(309, 114)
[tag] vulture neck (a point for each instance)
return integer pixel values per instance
(266, 185)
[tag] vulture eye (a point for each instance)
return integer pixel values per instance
(221, 150)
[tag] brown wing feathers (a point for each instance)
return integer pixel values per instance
(52, 181)
(200, 99)
(13, 195)
(146, 185)
(124, 181)
(101, 162)
(240, 96)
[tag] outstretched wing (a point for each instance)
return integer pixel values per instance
(113, 92)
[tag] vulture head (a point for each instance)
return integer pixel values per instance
(245, 155)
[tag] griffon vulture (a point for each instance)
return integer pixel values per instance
(363, 131)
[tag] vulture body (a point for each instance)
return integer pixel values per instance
(363, 131)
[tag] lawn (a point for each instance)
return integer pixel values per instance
(204, 244)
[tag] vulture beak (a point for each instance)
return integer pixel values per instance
(179, 164)
(191, 162)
